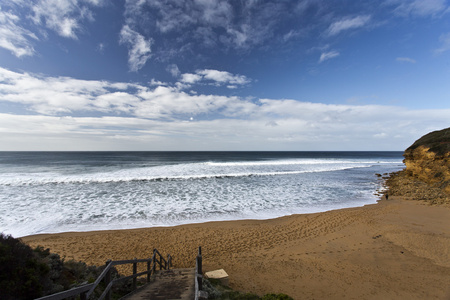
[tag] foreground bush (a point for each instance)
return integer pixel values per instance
(22, 274)
(27, 274)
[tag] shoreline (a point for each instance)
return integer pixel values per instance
(99, 231)
(392, 249)
(315, 210)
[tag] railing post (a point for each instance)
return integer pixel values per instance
(83, 296)
(199, 269)
(108, 280)
(148, 270)
(154, 264)
(134, 273)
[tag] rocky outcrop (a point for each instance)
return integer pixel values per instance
(427, 173)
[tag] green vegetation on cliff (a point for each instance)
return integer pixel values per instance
(436, 141)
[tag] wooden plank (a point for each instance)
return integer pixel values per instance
(109, 284)
(69, 293)
(134, 273)
(106, 291)
(99, 278)
(129, 261)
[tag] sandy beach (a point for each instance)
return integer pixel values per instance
(395, 249)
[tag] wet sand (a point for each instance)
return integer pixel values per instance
(395, 249)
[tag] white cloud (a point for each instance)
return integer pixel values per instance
(445, 43)
(292, 34)
(215, 12)
(139, 50)
(172, 14)
(328, 55)
(238, 25)
(101, 47)
(406, 59)
(53, 95)
(222, 77)
(173, 70)
(71, 114)
(348, 23)
(190, 78)
(62, 16)
(65, 17)
(154, 82)
(218, 78)
(419, 7)
(63, 95)
(347, 131)
(13, 37)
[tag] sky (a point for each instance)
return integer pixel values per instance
(210, 75)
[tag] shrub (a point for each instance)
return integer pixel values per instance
(27, 274)
(218, 291)
(22, 274)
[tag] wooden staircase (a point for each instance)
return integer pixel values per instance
(164, 284)
(167, 285)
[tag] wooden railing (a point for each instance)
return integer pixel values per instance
(199, 292)
(85, 291)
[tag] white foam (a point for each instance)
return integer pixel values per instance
(295, 162)
(187, 172)
(53, 201)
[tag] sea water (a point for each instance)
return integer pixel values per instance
(49, 192)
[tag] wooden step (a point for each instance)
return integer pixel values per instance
(167, 285)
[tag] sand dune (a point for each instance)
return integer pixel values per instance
(395, 249)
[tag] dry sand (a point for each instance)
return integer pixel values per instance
(395, 249)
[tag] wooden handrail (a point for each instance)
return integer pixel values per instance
(99, 278)
(86, 290)
(82, 290)
(199, 293)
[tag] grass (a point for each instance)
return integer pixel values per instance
(216, 290)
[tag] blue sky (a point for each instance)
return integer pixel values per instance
(222, 75)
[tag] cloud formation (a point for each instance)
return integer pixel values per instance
(139, 48)
(222, 77)
(406, 59)
(163, 30)
(348, 23)
(63, 16)
(13, 37)
(64, 95)
(159, 117)
(328, 55)
(183, 94)
(215, 77)
(445, 43)
(419, 7)
(188, 25)
(173, 70)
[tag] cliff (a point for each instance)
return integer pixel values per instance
(427, 173)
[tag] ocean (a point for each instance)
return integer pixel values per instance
(50, 192)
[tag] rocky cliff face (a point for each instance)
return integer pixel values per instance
(428, 159)
(427, 173)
